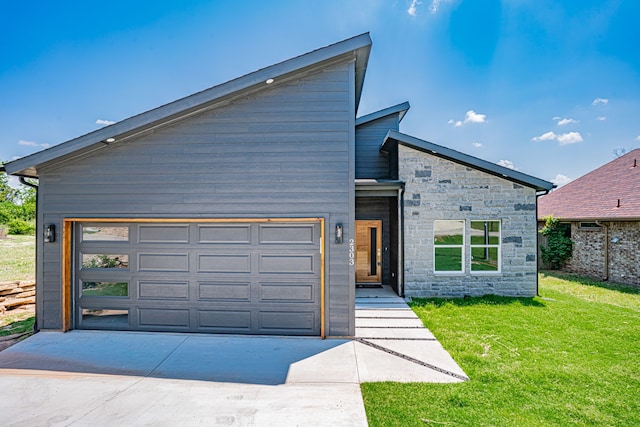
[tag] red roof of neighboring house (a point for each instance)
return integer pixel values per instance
(611, 192)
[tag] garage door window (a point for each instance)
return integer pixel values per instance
(105, 316)
(110, 261)
(105, 289)
(98, 233)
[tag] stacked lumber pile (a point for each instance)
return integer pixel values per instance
(17, 295)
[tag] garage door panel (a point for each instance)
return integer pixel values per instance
(287, 322)
(224, 263)
(248, 278)
(224, 234)
(287, 234)
(157, 289)
(163, 317)
(175, 262)
(238, 321)
(287, 292)
(163, 234)
(287, 263)
(224, 291)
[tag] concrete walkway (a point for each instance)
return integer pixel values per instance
(92, 378)
(392, 343)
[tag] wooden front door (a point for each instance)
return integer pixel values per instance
(368, 251)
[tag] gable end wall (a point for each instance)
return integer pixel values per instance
(439, 189)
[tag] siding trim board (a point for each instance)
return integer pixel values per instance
(68, 253)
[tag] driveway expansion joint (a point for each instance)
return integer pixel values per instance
(411, 359)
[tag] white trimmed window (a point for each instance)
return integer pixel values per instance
(485, 246)
(448, 246)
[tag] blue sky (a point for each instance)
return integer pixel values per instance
(550, 88)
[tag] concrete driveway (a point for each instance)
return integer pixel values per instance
(125, 378)
(98, 378)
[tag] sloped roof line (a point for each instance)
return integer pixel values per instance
(360, 45)
(400, 109)
(465, 159)
(609, 192)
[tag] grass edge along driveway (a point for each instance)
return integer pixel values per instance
(569, 357)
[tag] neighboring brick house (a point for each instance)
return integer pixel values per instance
(603, 208)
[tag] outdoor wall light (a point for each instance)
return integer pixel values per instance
(50, 233)
(339, 238)
(110, 140)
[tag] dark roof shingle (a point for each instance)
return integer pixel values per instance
(595, 195)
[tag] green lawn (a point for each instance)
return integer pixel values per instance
(570, 357)
(17, 258)
(17, 262)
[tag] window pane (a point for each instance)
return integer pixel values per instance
(448, 259)
(105, 289)
(105, 261)
(484, 259)
(448, 232)
(105, 316)
(485, 232)
(105, 234)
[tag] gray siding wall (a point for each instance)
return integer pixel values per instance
(284, 152)
(370, 162)
(438, 189)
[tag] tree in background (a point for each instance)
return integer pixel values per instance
(17, 207)
(559, 247)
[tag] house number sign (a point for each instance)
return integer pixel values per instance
(352, 252)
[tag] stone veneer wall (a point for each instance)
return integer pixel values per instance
(624, 256)
(438, 189)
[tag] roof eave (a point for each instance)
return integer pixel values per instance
(400, 109)
(467, 160)
(590, 219)
(359, 45)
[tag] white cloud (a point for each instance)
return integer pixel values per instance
(434, 7)
(601, 118)
(566, 121)
(569, 138)
(33, 144)
(597, 101)
(473, 117)
(507, 164)
(563, 139)
(556, 118)
(469, 117)
(545, 137)
(413, 7)
(478, 145)
(561, 180)
(638, 138)
(104, 122)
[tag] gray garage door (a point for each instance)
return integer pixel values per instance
(247, 278)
